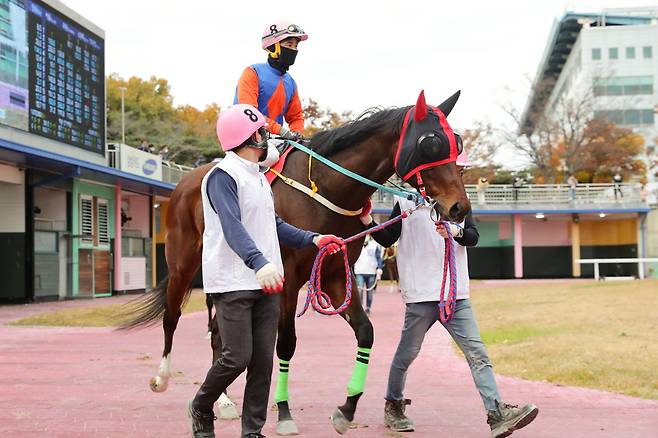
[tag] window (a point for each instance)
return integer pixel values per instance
(613, 53)
(102, 213)
(630, 52)
(627, 117)
(87, 219)
(596, 54)
(623, 86)
(647, 52)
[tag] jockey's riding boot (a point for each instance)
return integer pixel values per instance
(505, 419)
(394, 417)
(203, 425)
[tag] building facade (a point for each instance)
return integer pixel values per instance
(609, 60)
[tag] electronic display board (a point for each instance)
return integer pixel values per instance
(53, 84)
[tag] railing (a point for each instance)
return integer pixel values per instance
(496, 195)
(172, 173)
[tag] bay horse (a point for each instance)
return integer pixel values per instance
(368, 146)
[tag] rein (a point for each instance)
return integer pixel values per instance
(315, 296)
(447, 304)
(403, 193)
(321, 302)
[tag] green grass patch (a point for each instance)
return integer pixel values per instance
(592, 334)
(98, 315)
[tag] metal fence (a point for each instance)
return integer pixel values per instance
(172, 173)
(538, 194)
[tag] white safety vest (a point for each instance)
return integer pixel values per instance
(223, 269)
(421, 251)
(366, 264)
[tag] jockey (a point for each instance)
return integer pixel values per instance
(269, 86)
(420, 266)
(242, 269)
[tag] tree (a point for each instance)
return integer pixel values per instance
(569, 140)
(481, 144)
(320, 119)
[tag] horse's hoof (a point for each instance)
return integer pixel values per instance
(340, 423)
(209, 335)
(159, 384)
(227, 409)
(286, 428)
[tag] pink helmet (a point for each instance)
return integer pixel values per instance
(462, 159)
(279, 31)
(237, 123)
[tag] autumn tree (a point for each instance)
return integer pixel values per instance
(569, 140)
(318, 118)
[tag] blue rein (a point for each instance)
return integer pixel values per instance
(406, 194)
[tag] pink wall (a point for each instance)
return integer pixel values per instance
(546, 233)
(138, 210)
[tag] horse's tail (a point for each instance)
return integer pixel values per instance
(150, 308)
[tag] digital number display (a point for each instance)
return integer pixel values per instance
(52, 75)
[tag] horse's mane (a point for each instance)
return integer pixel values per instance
(332, 141)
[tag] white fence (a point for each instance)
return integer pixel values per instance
(538, 194)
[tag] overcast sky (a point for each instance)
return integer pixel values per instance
(359, 53)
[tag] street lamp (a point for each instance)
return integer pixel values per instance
(123, 115)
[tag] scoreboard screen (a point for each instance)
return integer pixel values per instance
(56, 87)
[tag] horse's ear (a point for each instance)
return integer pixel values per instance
(449, 103)
(421, 107)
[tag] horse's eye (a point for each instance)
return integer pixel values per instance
(460, 143)
(434, 146)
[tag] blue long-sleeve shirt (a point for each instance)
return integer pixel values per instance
(223, 195)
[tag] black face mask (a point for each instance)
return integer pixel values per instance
(285, 60)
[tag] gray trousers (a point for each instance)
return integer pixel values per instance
(248, 322)
(418, 319)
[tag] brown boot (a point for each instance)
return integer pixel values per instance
(394, 417)
(508, 418)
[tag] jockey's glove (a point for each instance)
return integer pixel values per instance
(269, 279)
(287, 134)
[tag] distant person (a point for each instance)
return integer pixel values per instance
(390, 263)
(483, 185)
(516, 186)
(269, 87)
(164, 152)
(573, 184)
(144, 146)
(200, 160)
(368, 269)
(617, 179)
(151, 149)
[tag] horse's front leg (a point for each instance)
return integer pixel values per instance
(357, 319)
(285, 349)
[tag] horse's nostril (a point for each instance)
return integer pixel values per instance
(456, 210)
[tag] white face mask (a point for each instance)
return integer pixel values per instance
(271, 158)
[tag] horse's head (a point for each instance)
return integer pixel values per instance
(426, 156)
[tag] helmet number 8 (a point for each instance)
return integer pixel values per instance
(253, 117)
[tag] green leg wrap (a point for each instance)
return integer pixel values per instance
(358, 381)
(281, 393)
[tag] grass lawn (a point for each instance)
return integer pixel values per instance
(600, 335)
(99, 316)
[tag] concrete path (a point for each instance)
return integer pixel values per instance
(83, 382)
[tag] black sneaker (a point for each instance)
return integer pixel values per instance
(255, 435)
(508, 418)
(203, 425)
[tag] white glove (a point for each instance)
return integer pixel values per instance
(456, 230)
(269, 279)
(379, 274)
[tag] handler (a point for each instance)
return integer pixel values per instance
(242, 269)
(420, 265)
